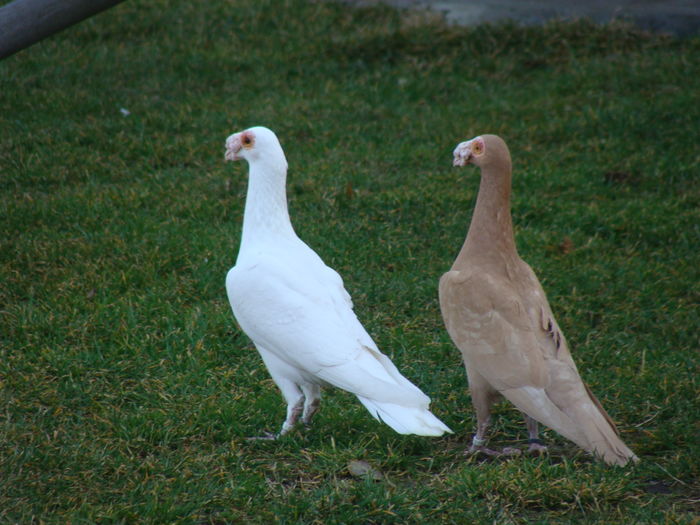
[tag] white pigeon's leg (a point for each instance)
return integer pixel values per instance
(536, 445)
(295, 404)
(286, 378)
(312, 400)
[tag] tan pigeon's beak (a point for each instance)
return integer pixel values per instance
(462, 153)
(233, 147)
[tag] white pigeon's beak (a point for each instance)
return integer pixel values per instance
(233, 147)
(462, 153)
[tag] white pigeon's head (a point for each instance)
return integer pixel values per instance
(481, 151)
(255, 144)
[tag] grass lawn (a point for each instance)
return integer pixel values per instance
(127, 389)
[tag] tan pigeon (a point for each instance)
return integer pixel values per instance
(497, 314)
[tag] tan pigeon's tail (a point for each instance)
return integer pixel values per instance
(406, 420)
(603, 437)
(585, 421)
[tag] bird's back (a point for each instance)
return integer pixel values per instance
(298, 309)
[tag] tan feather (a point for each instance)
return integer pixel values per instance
(497, 314)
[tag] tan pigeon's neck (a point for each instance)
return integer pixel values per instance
(490, 238)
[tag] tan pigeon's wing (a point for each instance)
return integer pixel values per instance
(491, 325)
(553, 343)
(488, 323)
(549, 336)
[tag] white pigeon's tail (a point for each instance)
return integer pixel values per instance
(406, 420)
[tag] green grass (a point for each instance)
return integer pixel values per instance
(127, 389)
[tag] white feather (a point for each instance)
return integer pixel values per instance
(297, 311)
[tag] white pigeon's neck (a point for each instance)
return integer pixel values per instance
(266, 215)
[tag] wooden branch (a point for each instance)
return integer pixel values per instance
(25, 22)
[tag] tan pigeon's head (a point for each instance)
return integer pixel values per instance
(253, 144)
(482, 151)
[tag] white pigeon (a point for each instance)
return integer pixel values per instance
(297, 312)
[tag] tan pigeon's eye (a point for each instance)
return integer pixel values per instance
(478, 147)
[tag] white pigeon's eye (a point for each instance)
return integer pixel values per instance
(247, 140)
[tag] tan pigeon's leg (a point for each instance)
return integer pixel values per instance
(479, 439)
(312, 400)
(483, 397)
(536, 445)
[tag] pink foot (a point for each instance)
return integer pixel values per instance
(505, 452)
(536, 448)
(267, 436)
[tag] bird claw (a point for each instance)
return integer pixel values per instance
(537, 449)
(510, 451)
(481, 450)
(267, 436)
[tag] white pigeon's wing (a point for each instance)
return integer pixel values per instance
(299, 311)
(319, 276)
